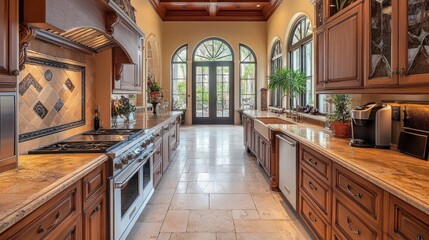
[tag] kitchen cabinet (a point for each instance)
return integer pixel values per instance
(8, 132)
(157, 161)
(248, 133)
(78, 212)
(343, 50)
(9, 41)
(127, 77)
(320, 60)
(165, 147)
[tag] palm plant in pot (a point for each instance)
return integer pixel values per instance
(291, 81)
(340, 120)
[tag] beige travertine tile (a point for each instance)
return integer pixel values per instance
(190, 201)
(225, 177)
(245, 214)
(145, 230)
(193, 236)
(225, 236)
(254, 226)
(164, 236)
(161, 197)
(182, 187)
(268, 207)
(200, 187)
(189, 177)
(231, 201)
(175, 221)
(154, 213)
(210, 221)
(267, 236)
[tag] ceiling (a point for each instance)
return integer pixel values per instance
(215, 10)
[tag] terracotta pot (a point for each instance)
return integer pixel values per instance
(155, 94)
(342, 129)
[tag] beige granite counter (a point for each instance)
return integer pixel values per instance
(403, 176)
(38, 179)
(148, 120)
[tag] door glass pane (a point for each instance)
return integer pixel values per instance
(418, 37)
(381, 38)
(129, 193)
(202, 91)
(222, 91)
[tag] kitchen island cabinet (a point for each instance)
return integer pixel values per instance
(67, 203)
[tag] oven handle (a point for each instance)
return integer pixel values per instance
(124, 183)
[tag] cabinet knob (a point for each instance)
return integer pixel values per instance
(15, 72)
(420, 237)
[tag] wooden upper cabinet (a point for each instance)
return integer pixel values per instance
(319, 36)
(381, 43)
(344, 50)
(413, 42)
(9, 41)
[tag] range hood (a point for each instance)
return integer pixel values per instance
(85, 25)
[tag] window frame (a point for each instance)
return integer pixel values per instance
(256, 73)
(300, 45)
(276, 60)
(185, 61)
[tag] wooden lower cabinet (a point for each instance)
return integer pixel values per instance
(94, 219)
(313, 219)
(68, 215)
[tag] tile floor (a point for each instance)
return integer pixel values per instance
(214, 189)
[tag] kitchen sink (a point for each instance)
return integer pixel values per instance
(260, 125)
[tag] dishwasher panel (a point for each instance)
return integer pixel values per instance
(288, 168)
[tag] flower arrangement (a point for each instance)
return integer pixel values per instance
(154, 90)
(122, 107)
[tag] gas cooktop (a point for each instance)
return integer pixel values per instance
(77, 147)
(103, 131)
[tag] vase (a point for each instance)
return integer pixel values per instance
(114, 121)
(154, 107)
(127, 118)
(342, 129)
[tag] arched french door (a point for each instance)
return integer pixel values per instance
(213, 83)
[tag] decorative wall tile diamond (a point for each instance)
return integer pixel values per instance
(59, 105)
(40, 110)
(48, 75)
(70, 85)
(28, 81)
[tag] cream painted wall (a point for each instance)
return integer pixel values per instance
(151, 24)
(175, 34)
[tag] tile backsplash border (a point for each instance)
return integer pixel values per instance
(55, 129)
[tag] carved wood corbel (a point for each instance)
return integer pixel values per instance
(111, 20)
(26, 35)
(119, 68)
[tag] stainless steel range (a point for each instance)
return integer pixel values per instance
(130, 169)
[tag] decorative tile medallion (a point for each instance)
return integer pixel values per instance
(58, 101)
(40, 110)
(69, 85)
(27, 82)
(59, 105)
(48, 75)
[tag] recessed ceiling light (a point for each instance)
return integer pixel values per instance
(258, 5)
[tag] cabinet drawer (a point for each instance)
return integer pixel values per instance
(318, 192)
(365, 195)
(72, 231)
(319, 165)
(173, 123)
(94, 184)
(313, 219)
(157, 156)
(407, 222)
(56, 213)
(157, 134)
(165, 128)
(157, 173)
(350, 224)
(173, 135)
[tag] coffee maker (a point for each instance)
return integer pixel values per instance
(371, 125)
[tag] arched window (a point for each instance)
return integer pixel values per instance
(247, 78)
(276, 62)
(179, 76)
(213, 50)
(301, 58)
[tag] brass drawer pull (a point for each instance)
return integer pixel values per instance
(312, 187)
(348, 221)
(42, 229)
(311, 217)
(349, 189)
(158, 152)
(420, 237)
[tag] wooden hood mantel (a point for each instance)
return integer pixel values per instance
(85, 25)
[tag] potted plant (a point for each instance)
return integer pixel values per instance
(291, 81)
(340, 120)
(154, 93)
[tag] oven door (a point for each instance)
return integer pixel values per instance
(128, 197)
(147, 177)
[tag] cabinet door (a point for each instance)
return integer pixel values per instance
(267, 157)
(320, 47)
(381, 43)
(413, 42)
(95, 219)
(8, 40)
(344, 50)
(71, 231)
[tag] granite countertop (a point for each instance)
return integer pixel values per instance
(403, 176)
(38, 179)
(148, 120)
